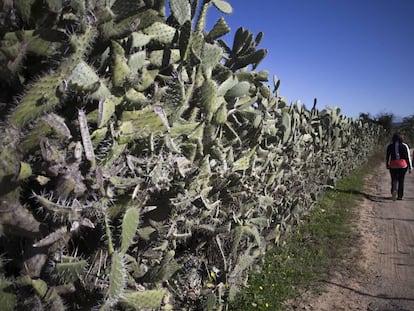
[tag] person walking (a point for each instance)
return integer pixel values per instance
(398, 161)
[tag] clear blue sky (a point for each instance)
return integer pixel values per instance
(354, 54)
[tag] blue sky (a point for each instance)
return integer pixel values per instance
(354, 54)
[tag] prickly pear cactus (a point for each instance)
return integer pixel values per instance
(144, 162)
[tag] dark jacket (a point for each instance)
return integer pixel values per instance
(397, 151)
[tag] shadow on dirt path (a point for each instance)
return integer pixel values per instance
(382, 277)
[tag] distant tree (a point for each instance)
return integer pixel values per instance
(407, 129)
(366, 117)
(386, 120)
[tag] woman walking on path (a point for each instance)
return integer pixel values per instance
(398, 161)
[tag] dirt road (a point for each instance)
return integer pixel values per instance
(382, 279)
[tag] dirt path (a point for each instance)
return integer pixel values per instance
(383, 277)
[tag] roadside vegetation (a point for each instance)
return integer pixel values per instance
(321, 243)
(407, 128)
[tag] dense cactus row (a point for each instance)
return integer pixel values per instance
(144, 163)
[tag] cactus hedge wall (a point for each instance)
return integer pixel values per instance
(144, 162)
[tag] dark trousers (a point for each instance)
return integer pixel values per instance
(397, 180)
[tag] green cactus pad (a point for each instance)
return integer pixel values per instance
(179, 129)
(158, 59)
(98, 136)
(211, 56)
(117, 278)
(70, 269)
(181, 10)
(25, 171)
(220, 116)
(140, 124)
(145, 232)
(40, 98)
(129, 228)
(137, 60)
(240, 89)
(40, 287)
(286, 122)
(160, 32)
(220, 29)
(228, 84)
(24, 8)
(139, 40)
(106, 110)
(120, 68)
(7, 295)
(148, 299)
(208, 100)
(223, 6)
(244, 162)
(84, 75)
(147, 79)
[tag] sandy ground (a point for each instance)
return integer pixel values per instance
(382, 274)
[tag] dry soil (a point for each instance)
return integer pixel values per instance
(381, 273)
